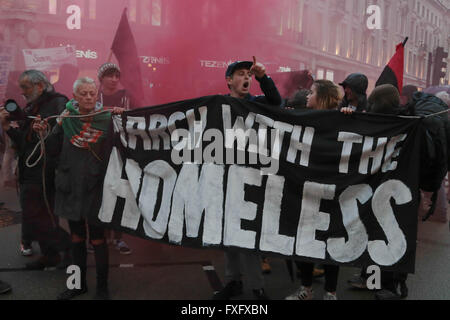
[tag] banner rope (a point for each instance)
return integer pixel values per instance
(424, 117)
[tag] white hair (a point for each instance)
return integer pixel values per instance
(35, 77)
(79, 82)
(444, 96)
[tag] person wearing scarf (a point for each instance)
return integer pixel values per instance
(83, 145)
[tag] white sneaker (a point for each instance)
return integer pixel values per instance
(302, 293)
(329, 296)
(26, 250)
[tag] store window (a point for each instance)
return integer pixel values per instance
(145, 11)
(320, 74)
(156, 13)
(52, 7)
(32, 4)
(330, 75)
(132, 11)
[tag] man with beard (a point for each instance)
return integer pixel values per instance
(239, 79)
(37, 189)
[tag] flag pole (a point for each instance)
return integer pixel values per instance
(405, 41)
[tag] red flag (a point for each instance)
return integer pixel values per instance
(124, 48)
(393, 72)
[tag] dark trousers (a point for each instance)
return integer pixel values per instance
(78, 228)
(331, 275)
(390, 280)
(38, 223)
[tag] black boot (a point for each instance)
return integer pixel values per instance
(79, 256)
(102, 268)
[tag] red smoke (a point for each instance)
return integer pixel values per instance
(187, 46)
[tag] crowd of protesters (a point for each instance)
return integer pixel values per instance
(76, 157)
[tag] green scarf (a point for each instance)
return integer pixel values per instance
(82, 134)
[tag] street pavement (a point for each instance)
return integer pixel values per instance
(156, 271)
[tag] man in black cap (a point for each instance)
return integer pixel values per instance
(239, 78)
(355, 87)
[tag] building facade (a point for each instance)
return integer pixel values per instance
(329, 37)
(332, 37)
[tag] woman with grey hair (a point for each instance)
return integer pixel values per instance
(83, 145)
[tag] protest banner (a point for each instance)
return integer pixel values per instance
(312, 185)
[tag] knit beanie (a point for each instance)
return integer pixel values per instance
(384, 99)
(106, 67)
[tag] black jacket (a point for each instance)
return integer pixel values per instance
(79, 175)
(271, 95)
(25, 139)
(435, 155)
(358, 83)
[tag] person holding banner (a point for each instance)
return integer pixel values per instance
(324, 96)
(239, 79)
(83, 145)
(111, 96)
(386, 99)
(355, 87)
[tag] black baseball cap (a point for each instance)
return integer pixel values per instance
(236, 66)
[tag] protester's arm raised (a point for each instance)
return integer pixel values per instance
(271, 94)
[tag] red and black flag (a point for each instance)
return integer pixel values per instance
(393, 72)
(124, 48)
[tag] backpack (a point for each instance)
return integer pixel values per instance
(434, 156)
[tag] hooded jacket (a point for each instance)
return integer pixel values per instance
(358, 83)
